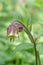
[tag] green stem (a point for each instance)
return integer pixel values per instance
(32, 40)
(17, 62)
(38, 58)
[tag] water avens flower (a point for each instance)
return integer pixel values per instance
(12, 32)
(13, 29)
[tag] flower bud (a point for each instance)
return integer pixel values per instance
(20, 27)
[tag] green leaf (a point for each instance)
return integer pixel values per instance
(22, 47)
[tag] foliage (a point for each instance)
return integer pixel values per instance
(21, 51)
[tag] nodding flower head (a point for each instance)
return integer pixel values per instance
(13, 29)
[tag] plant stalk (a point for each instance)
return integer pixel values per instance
(32, 40)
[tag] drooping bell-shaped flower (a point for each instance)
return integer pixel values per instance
(12, 31)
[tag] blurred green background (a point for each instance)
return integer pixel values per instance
(21, 51)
